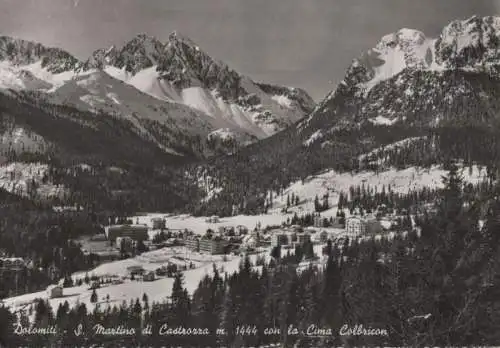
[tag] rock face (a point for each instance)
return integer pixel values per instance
(411, 79)
(21, 52)
(178, 70)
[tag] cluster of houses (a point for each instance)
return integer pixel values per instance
(140, 271)
(289, 238)
(355, 226)
(296, 235)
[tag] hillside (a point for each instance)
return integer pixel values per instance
(109, 166)
(443, 91)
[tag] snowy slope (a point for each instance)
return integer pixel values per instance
(96, 91)
(401, 181)
(18, 139)
(157, 291)
(179, 71)
(259, 120)
(31, 77)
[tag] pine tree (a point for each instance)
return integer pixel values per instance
(325, 205)
(68, 282)
(276, 252)
(180, 301)
(7, 320)
(93, 297)
(317, 206)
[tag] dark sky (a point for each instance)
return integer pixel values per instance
(304, 43)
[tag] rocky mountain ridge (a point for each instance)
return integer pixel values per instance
(444, 92)
(411, 79)
(179, 71)
(175, 84)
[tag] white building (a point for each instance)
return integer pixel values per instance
(358, 226)
(55, 291)
(355, 227)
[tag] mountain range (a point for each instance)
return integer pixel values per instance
(173, 86)
(437, 99)
(409, 101)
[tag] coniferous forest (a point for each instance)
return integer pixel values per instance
(434, 286)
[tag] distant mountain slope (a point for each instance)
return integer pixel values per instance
(180, 71)
(415, 80)
(444, 92)
(70, 157)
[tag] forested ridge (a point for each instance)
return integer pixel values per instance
(273, 164)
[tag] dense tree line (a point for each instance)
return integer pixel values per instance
(125, 171)
(151, 179)
(274, 163)
(438, 287)
(43, 238)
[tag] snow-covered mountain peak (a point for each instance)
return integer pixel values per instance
(141, 52)
(470, 43)
(403, 39)
(183, 79)
(408, 77)
(21, 52)
(406, 48)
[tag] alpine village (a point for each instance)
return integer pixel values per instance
(153, 196)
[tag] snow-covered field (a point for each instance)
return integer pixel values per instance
(331, 182)
(199, 225)
(152, 260)
(157, 290)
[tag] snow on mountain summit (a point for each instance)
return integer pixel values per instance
(469, 43)
(190, 88)
(411, 78)
(178, 70)
(395, 52)
(22, 52)
(465, 44)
